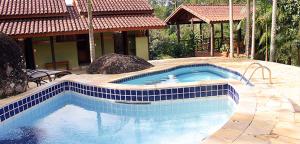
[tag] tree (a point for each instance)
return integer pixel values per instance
(273, 31)
(253, 30)
(91, 31)
(287, 31)
(247, 35)
(231, 28)
(263, 28)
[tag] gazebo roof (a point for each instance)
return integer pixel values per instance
(205, 13)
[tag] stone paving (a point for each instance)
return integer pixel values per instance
(267, 113)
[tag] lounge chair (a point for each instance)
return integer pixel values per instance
(40, 76)
(54, 73)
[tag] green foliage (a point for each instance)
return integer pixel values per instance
(288, 18)
(263, 24)
(164, 42)
(288, 29)
(192, 43)
(224, 48)
(164, 46)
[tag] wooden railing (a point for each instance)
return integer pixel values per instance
(204, 44)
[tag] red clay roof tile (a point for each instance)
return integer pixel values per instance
(32, 8)
(210, 13)
(101, 7)
(74, 23)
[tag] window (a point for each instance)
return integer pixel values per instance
(131, 45)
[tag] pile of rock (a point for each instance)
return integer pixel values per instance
(117, 64)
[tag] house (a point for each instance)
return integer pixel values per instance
(53, 33)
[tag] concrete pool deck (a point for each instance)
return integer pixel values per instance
(267, 113)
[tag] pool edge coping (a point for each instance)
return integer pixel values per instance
(220, 137)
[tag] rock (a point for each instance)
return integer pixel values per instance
(12, 65)
(117, 64)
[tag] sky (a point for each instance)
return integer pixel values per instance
(69, 2)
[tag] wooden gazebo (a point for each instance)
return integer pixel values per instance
(210, 14)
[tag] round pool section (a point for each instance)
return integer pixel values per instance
(70, 118)
(188, 73)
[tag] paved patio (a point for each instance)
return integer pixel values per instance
(267, 113)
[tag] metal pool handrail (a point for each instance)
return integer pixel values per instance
(260, 67)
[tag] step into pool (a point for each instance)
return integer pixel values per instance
(181, 74)
(70, 118)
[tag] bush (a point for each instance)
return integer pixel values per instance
(165, 45)
(12, 65)
(170, 48)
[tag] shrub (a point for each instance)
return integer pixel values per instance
(170, 48)
(164, 44)
(12, 75)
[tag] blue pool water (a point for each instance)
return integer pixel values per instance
(73, 118)
(183, 74)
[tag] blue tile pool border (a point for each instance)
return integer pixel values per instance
(122, 80)
(34, 99)
(150, 95)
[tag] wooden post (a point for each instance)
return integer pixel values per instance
(125, 42)
(239, 42)
(102, 44)
(212, 39)
(201, 36)
(222, 34)
(29, 54)
(231, 50)
(193, 28)
(267, 49)
(200, 26)
(52, 52)
(148, 40)
(193, 31)
(178, 32)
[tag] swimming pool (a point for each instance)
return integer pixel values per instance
(181, 74)
(74, 118)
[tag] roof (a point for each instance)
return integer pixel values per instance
(128, 22)
(77, 24)
(206, 13)
(101, 7)
(32, 8)
(72, 21)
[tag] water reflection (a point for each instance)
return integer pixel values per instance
(73, 118)
(24, 135)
